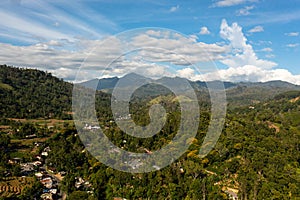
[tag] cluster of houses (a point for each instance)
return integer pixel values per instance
(81, 183)
(47, 177)
(48, 180)
(42, 173)
(50, 184)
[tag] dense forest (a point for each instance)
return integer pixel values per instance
(30, 93)
(256, 157)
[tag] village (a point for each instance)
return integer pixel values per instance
(47, 176)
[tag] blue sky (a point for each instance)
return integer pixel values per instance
(259, 39)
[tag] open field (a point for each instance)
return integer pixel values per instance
(48, 122)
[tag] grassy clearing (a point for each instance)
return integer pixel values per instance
(5, 86)
(48, 122)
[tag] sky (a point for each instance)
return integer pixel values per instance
(241, 40)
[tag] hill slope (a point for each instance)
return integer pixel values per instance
(238, 94)
(29, 93)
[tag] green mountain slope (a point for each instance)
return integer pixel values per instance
(29, 93)
(256, 157)
(238, 94)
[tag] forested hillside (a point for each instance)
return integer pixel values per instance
(238, 94)
(30, 93)
(256, 157)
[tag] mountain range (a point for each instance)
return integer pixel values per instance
(238, 94)
(109, 83)
(31, 93)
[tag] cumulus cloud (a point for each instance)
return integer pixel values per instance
(204, 31)
(54, 43)
(256, 29)
(250, 73)
(292, 34)
(242, 52)
(188, 73)
(243, 64)
(153, 53)
(175, 48)
(149, 53)
(55, 57)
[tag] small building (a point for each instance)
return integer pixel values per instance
(16, 160)
(27, 167)
(47, 182)
(44, 153)
(53, 191)
(30, 136)
(37, 163)
(47, 196)
(39, 175)
(79, 182)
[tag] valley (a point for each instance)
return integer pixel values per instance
(256, 157)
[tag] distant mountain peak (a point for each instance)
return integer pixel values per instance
(133, 76)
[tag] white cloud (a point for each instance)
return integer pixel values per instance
(292, 34)
(261, 42)
(204, 31)
(233, 34)
(227, 3)
(157, 50)
(188, 73)
(270, 56)
(292, 45)
(53, 56)
(256, 29)
(54, 43)
(39, 55)
(242, 52)
(41, 21)
(194, 37)
(245, 11)
(30, 28)
(174, 8)
(65, 73)
(243, 64)
(176, 49)
(153, 53)
(252, 73)
(267, 49)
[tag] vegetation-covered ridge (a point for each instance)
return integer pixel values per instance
(31, 93)
(256, 157)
